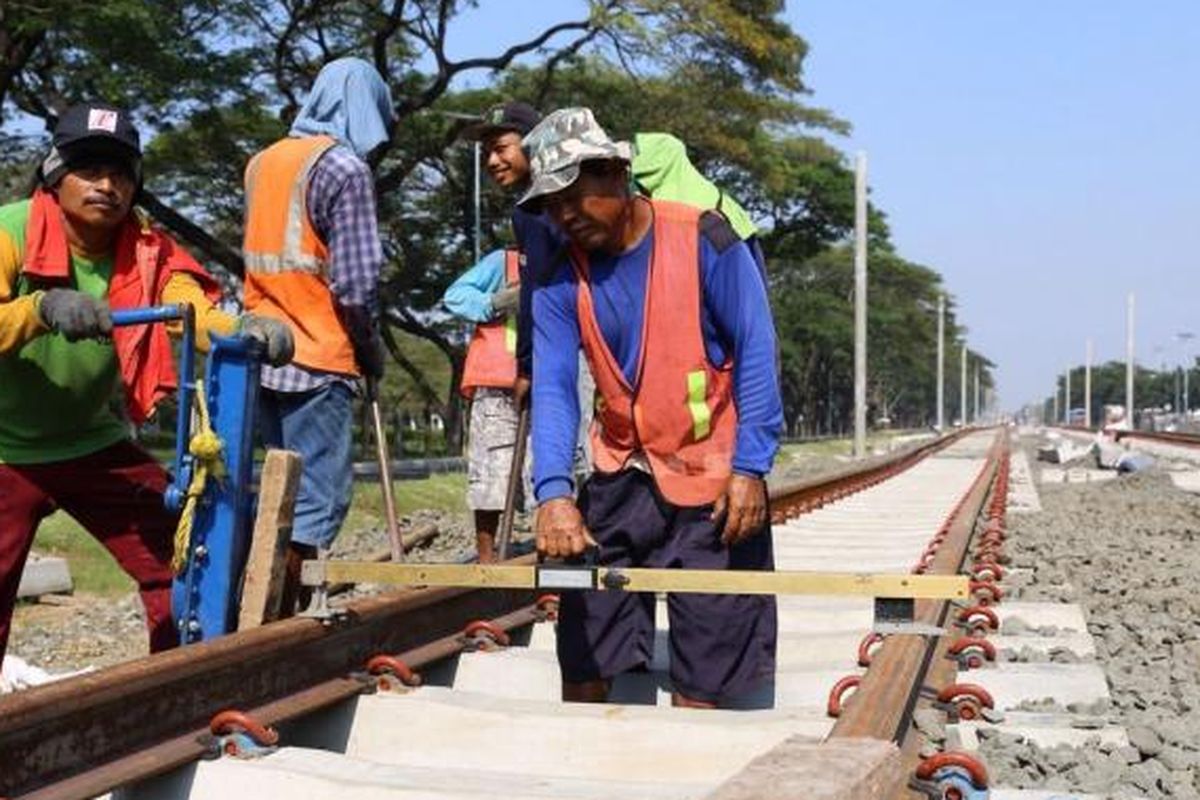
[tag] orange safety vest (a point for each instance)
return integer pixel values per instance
(287, 264)
(492, 354)
(680, 413)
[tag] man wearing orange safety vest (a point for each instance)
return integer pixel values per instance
(671, 311)
(313, 259)
(488, 295)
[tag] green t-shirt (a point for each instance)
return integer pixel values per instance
(58, 399)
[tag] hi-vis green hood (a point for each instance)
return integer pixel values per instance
(661, 167)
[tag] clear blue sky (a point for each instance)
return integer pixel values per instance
(1041, 155)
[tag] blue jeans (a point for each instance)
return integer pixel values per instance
(317, 426)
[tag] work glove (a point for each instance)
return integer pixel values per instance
(276, 336)
(371, 355)
(75, 315)
(506, 301)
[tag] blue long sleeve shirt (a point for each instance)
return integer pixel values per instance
(470, 296)
(543, 250)
(736, 321)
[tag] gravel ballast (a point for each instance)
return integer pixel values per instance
(1126, 551)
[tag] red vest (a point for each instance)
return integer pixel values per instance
(144, 261)
(287, 264)
(492, 355)
(680, 413)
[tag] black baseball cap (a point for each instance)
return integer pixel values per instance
(512, 116)
(89, 130)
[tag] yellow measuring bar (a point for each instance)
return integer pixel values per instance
(555, 577)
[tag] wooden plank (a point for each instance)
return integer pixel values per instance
(639, 580)
(263, 582)
(837, 769)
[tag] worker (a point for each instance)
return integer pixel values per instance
(313, 260)
(487, 295)
(661, 169)
(499, 132)
(671, 311)
(74, 385)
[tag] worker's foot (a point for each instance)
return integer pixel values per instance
(683, 701)
(586, 692)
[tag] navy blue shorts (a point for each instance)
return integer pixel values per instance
(720, 645)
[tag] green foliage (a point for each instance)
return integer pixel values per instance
(1153, 390)
(213, 81)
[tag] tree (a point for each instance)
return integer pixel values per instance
(213, 81)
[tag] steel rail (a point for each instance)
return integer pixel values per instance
(904, 666)
(1166, 437)
(84, 736)
(54, 732)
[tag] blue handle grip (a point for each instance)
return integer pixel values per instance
(150, 315)
(147, 316)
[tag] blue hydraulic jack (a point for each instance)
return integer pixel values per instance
(208, 589)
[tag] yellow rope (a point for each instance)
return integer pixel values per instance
(205, 448)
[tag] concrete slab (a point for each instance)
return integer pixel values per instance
(1053, 475)
(1188, 480)
(1080, 475)
(1011, 684)
(1067, 617)
(1044, 730)
(1038, 794)
(581, 741)
(299, 773)
(806, 667)
(1022, 493)
(44, 575)
(1081, 644)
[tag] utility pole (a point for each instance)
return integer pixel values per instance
(975, 416)
(1067, 399)
(941, 363)
(1087, 385)
(1054, 416)
(962, 389)
(1129, 361)
(478, 223)
(1184, 337)
(860, 305)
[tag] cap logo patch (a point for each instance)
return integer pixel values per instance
(102, 119)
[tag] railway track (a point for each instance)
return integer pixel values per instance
(453, 693)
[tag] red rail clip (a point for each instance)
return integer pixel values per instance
(482, 629)
(384, 665)
(834, 707)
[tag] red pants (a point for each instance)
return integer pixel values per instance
(117, 495)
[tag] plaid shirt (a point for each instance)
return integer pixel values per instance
(341, 205)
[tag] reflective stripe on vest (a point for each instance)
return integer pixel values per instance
(286, 261)
(697, 382)
(491, 358)
(680, 415)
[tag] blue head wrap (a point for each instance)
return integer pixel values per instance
(350, 102)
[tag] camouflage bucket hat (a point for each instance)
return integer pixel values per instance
(560, 143)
